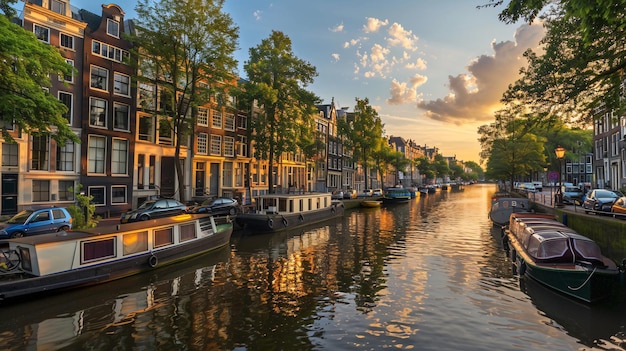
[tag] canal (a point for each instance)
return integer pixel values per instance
(429, 275)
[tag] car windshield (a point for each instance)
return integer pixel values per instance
(146, 204)
(606, 193)
(20, 218)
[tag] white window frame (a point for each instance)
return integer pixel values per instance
(115, 126)
(229, 122)
(229, 146)
(70, 111)
(116, 91)
(117, 24)
(104, 195)
(104, 120)
(113, 201)
(119, 157)
(93, 161)
(71, 37)
(216, 119)
(91, 76)
(203, 140)
(64, 77)
(61, 6)
(37, 28)
(203, 117)
(216, 145)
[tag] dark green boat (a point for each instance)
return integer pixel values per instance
(560, 258)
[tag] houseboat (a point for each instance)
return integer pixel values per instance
(62, 260)
(560, 258)
(503, 207)
(396, 195)
(276, 212)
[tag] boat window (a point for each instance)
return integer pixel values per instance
(135, 242)
(187, 232)
(282, 205)
(163, 237)
(98, 249)
(548, 249)
(27, 264)
(301, 205)
(587, 249)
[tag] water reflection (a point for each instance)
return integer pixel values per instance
(428, 275)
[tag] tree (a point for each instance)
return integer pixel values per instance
(441, 166)
(363, 133)
(426, 168)
(185, 50)
(581, 65)
(26, 67)
(6, 6)
(277, 81)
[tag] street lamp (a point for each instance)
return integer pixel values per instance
(560, 153)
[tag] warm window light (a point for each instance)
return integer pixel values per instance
(559, 151)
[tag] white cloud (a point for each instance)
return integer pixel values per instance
(419, 64)
(378, 53)
(402, 37)
(257, 14)
(338, 28)
(374, 24)
(335, 56)
(403, 92)
(475, 96)
(352, 42)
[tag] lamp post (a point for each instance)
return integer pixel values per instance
(560, 153)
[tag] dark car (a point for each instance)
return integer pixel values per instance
(571, 194)
(218, 206)
(337, 195)
(154, 209)
(600, 200)
(32, 222)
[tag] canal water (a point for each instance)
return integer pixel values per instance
(428, 275)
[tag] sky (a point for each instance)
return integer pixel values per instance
(434, 70)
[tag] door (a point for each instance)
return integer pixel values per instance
(40, 222)
(9, 193)
(214, 180)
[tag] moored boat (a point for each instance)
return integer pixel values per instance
(63, 260)
(560, 258)
(396, 195)
(276, 212)
(503, 207)
(371, 203)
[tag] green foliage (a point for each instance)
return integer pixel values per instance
(286, 110)
(186, 50)
(83, 206)
(7, 8)
(26, 67)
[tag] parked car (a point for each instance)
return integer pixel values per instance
(349, 194)
(366, 193)
(154, 209)
(32, 222)
(619, 206)
(538, 186)
(527, 187)
(377, 192)
(217, 206)
(600, 200)
(572, 194)
(337, 195)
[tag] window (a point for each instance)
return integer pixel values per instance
(187, 232)
(135, 243)
(119, 156)
(146, 128)
(203, 117)
(163, 237)
(216, 144)
(98, 195)
(229, 122)
(113, 28)
(97, 112)
(39, 155)
(229, 146)
(108, 51)
(65, 190)
(66, 99)
(121, 84)
(97, 154)
(41, 190)
(242, 122)
(57, 6)
(243, 146)
(42, 33)
(118, 194)
(140, 170)
(146, 96)
(121, 116)
(202, 143)
(66, 41)
(98, 250)
(216, 121)
(99, 78)
(165, 132)
(66, 156)
(10, 157)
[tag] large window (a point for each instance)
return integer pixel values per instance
(108, 51)
(41, 190)
(216, 144)
(66, 192)
(10, 156)
(119, 156)
(216, 121)
(121, 84)
(97, 154)
(121, 116)
(39, 153)
(118, 194)
(229, 122)
(203, 116)
(97, 112)
(98, 250)
(229, 146)
(42, 33)
(66, 41)
(146, 128)
(203, 139)
(99, 78)
(66, 156)
(242, 122)
(58, 6)
(147, 97)
(113, 28)
(66, 99)
(242, 148)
